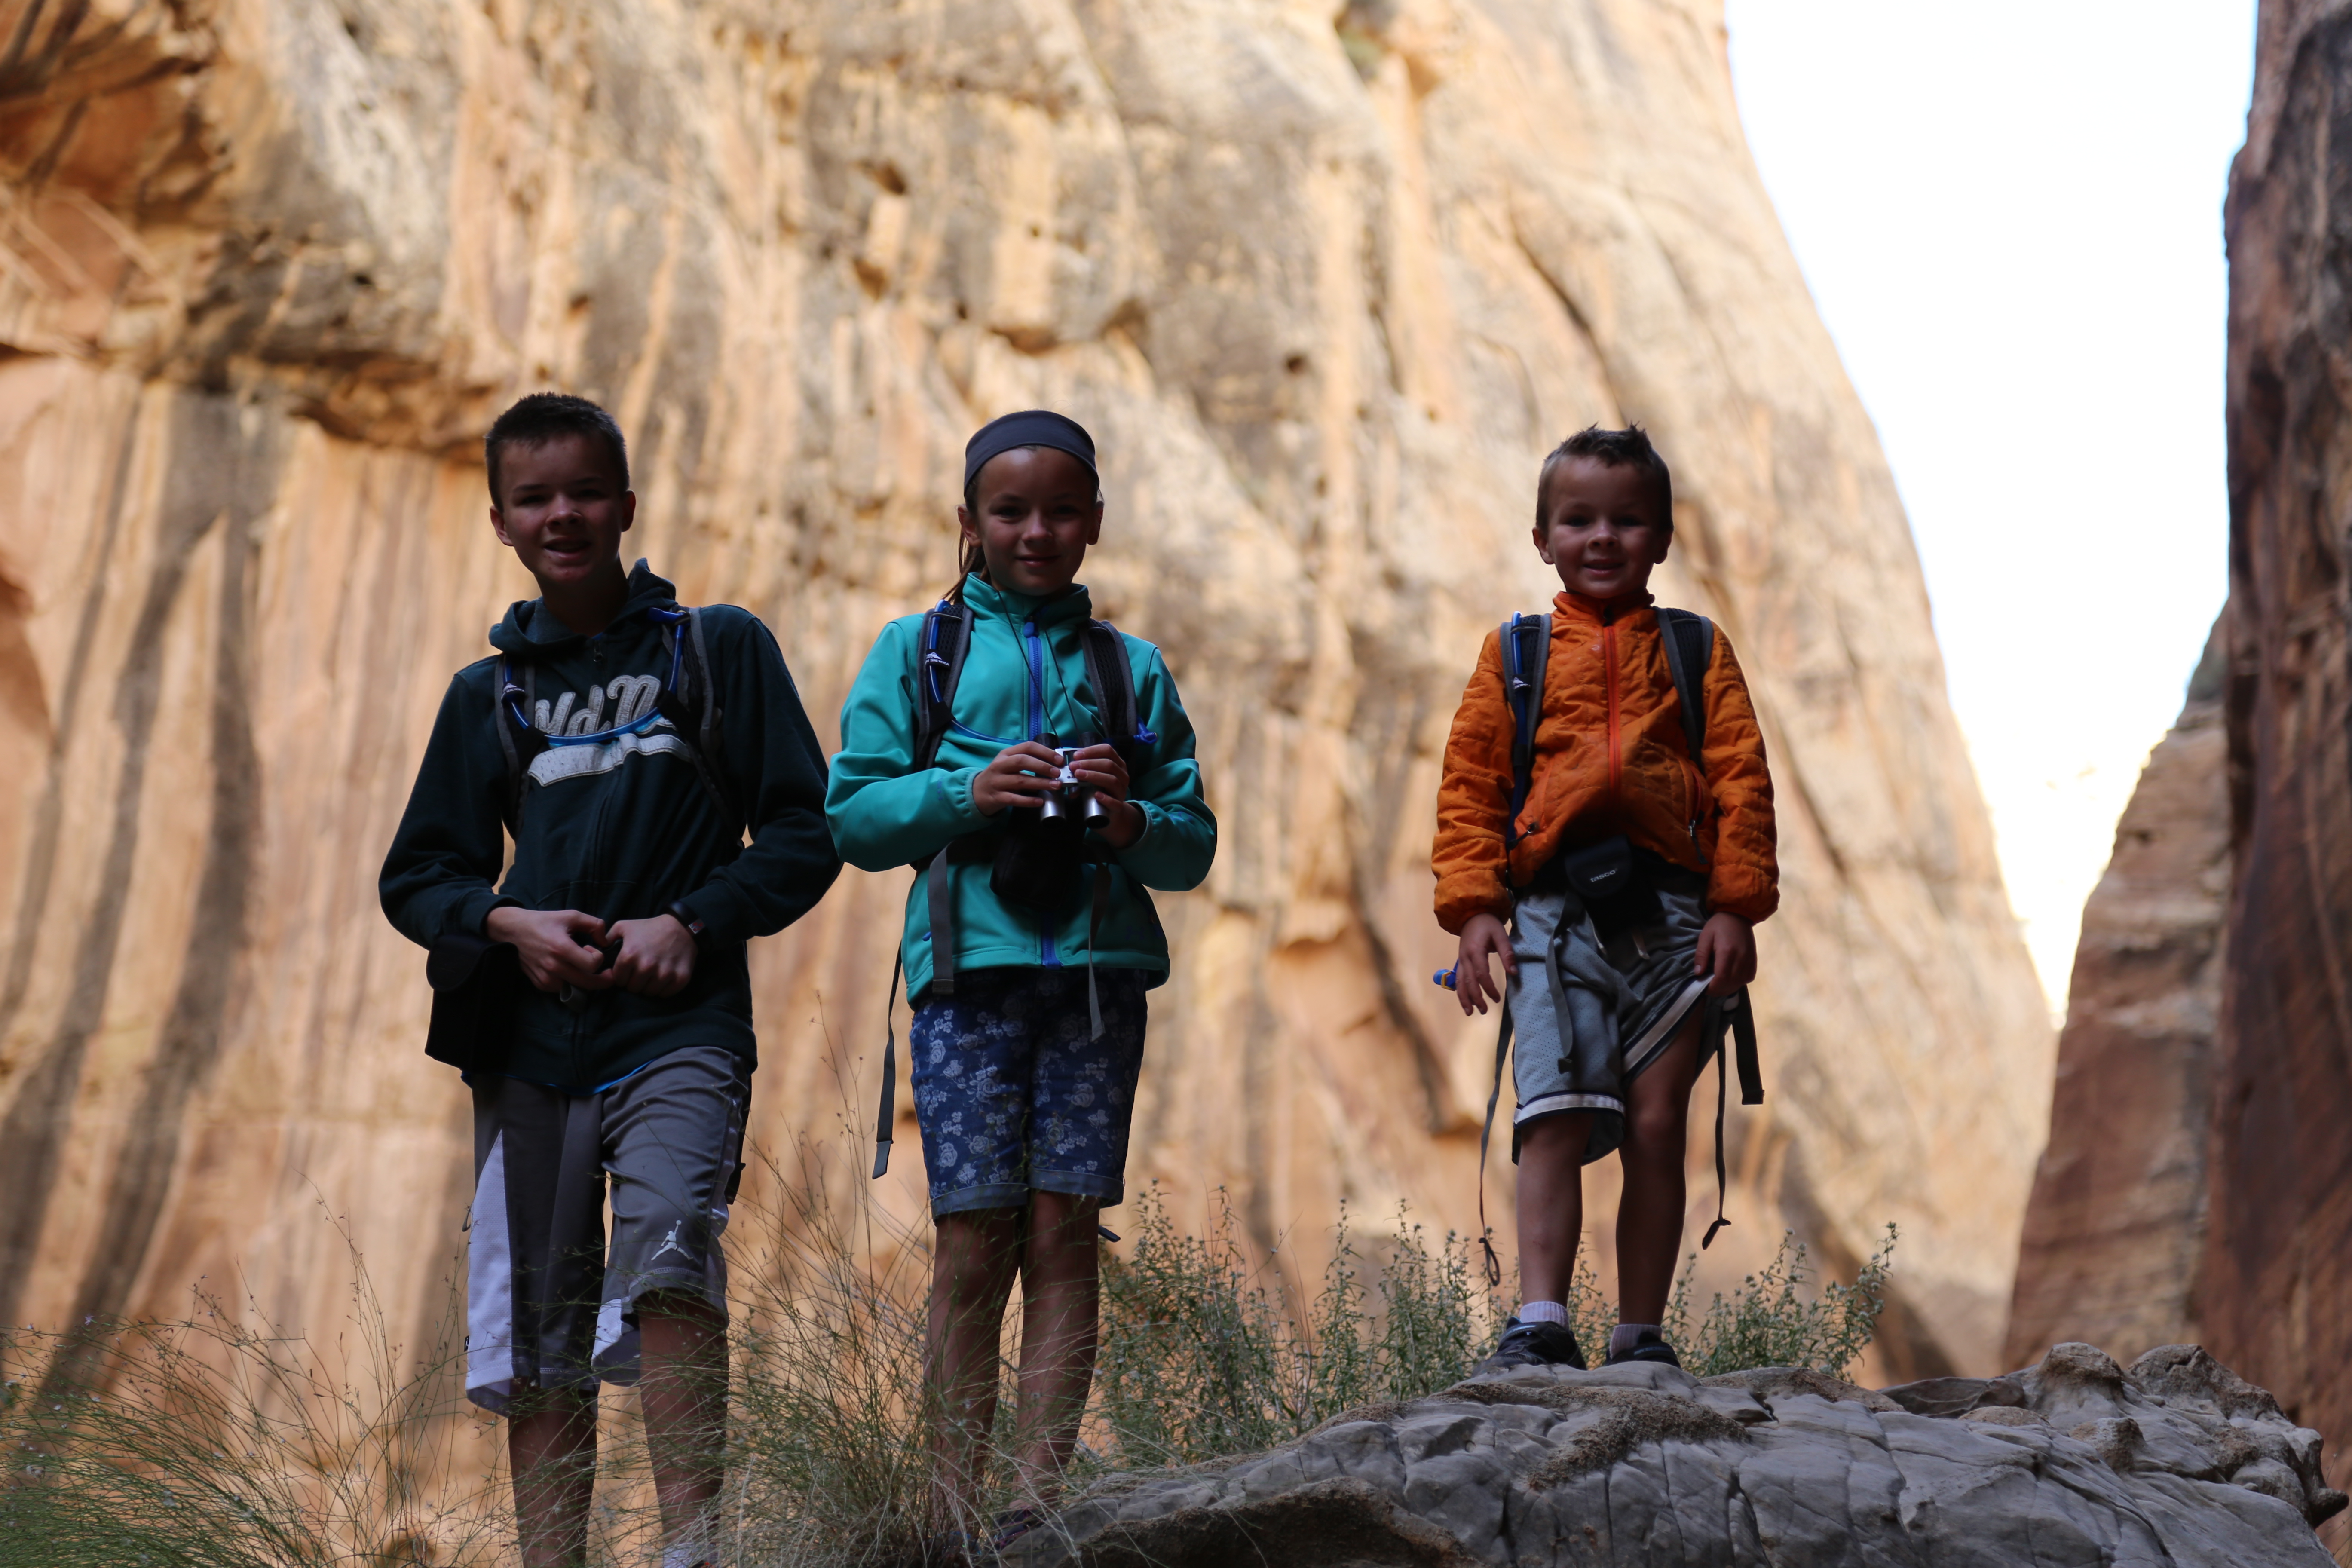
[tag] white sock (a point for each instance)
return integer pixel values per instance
(1542, 1312)
(1625, 1336)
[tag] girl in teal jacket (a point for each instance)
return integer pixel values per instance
(1028, 1040)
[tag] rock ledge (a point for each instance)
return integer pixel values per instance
(2177, 1460)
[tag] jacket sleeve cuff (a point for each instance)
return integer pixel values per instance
(474, 911)
(956, 787)
(1462, 896)
(1742, 897)
(726, 918)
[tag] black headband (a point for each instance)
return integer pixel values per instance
(1031, 427)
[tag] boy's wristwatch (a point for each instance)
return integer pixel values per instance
(687, 918)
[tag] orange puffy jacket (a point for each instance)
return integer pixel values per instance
(1610, 757)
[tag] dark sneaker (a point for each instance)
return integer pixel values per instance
(1013, 1524)
(1649, 1347)
(1533, 1344)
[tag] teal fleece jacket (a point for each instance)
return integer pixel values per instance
(1025, 676)
(619, 828)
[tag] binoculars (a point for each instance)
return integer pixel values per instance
(1070, 801)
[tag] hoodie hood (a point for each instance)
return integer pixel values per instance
(530, 629)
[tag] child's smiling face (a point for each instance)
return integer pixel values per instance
(1600, 527)
(563, 509)
(1034, 514)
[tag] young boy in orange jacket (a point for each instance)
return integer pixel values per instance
(1632, 875)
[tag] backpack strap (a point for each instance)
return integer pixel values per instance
(1486, 1132)
(1689, 642)
(884, 1124)
(690, 702)
(1111, 674)
(946, 638)
(1526, 651)
(519, 741)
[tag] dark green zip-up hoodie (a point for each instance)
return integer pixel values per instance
(620, 828)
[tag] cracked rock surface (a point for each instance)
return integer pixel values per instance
(2175, 1460)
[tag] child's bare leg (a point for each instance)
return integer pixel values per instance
(1552, 1202)
(684, 1388)
(976, 1254)
(1649, 1214)
(552, 1448)
(1060, 1279)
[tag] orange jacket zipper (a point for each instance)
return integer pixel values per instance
(1609, 681)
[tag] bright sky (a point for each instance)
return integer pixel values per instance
(2009, 214)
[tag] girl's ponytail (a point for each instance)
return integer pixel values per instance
(973, 562)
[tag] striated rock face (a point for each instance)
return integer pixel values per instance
(2277, 1260)
(2075, 1460)
(2116, 1225)
(1325, 280)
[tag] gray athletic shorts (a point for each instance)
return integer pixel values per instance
(548, 1302)
(1583, 1024)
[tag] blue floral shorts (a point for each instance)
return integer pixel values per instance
(1013, 1097)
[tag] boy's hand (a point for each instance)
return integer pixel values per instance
(1102, 770)
(1726, 953)
(1473, 983)
(1021, 774)
(556, 947)
(652, 958)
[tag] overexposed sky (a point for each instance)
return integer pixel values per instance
(2010, 215)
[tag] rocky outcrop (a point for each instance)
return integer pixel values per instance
(2277, 1261)
(2116, 1228)
(1325, 279)
(2176, 1461)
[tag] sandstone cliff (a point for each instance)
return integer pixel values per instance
(1325, 280)
(2276, 1264)
(2116, 1223)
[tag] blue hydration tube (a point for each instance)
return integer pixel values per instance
(638, 726)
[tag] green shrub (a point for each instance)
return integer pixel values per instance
(1766, 1323)
(1204, 1353)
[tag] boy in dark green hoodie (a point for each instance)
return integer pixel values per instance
(628, 746)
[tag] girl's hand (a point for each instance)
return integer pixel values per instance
(1102, 770)
(1473, 983)
(1726, 953)
(1021, 774)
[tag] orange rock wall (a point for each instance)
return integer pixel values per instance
(1325, 281)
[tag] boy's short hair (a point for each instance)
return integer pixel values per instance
(1629, 448)
(541, 417)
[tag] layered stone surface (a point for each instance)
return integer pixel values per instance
(1325, 281)
(2176, 1461)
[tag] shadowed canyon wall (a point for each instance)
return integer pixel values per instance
(1325, 281)
(2277, 1263)
(2199, 1179)
(2116, 1223)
